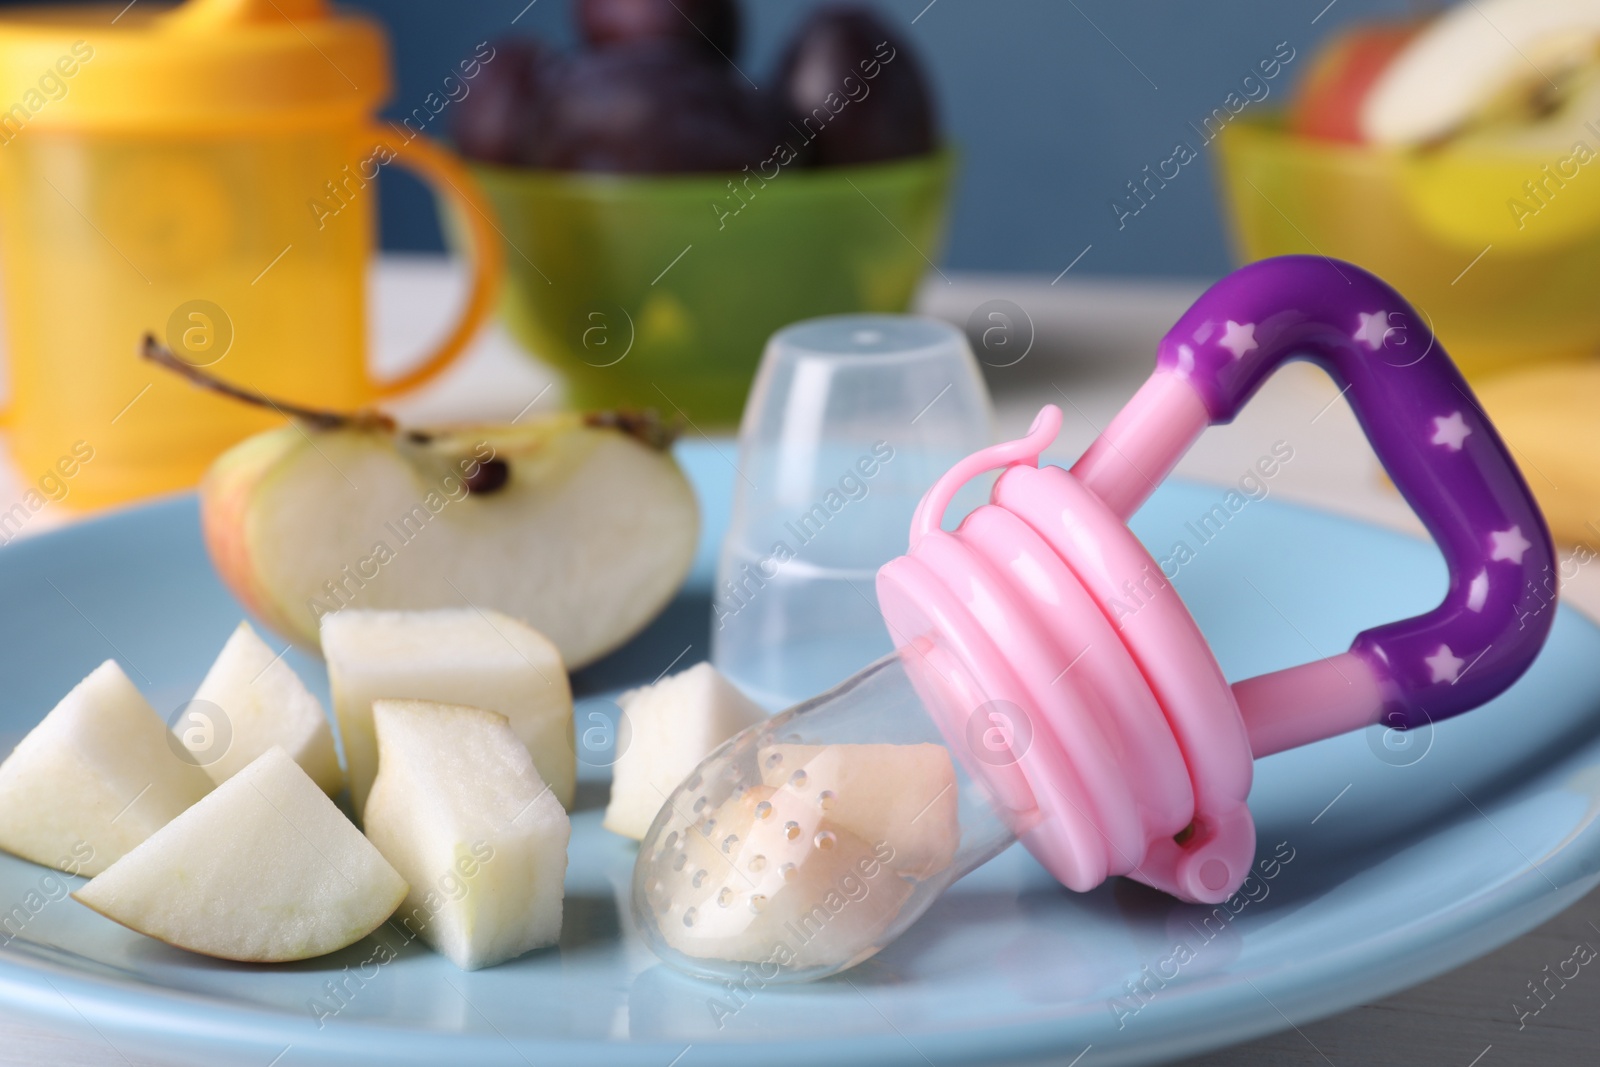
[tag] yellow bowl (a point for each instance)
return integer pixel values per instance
(1500, 250)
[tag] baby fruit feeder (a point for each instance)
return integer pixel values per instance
(1042, 645)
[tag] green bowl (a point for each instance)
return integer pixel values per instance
(662, 291)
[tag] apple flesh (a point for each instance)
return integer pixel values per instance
(263, 870)
(670, 727)
(1535, 118)
(460, 810)
(1490, 61)
(582, 525)
(96, 778)
(482, 659)
(265, 704)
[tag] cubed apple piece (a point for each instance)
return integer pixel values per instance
(263, 870)
(767, 877)
(99, 775)
(670, 727)
(902, 795)
(480, 659)
(263, 703)
(460, 810)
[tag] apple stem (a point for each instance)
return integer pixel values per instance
(159, 354)
(646, 427)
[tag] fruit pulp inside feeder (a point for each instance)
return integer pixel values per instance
(808, 842)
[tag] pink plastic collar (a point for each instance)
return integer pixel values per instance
(1067, 672)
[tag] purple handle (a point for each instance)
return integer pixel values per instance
(1430, 435)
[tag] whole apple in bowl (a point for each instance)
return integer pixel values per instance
(662, 217)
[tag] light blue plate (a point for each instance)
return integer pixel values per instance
(1399, 860)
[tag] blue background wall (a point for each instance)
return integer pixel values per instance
(1054, 104)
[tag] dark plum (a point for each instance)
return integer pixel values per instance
(653, 108)
(853, 86)
(710, 24)
(499, 119)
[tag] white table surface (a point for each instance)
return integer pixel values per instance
(1094, 341)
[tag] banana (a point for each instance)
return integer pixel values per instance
(1550, 417)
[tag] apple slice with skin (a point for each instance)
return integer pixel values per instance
(263, 870)
(1462, 67)
(459, 809)
(98, 776)
(265, 704)
(670, 727)
(1328, 101)
(587, 537)
(482, 659)
(583, 525)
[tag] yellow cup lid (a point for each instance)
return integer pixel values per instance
(202, 64)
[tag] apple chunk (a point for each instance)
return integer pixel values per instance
(265, 704)
(98, 776)
(263, 870)
(459, 809)
(480, 659)
(671, 726)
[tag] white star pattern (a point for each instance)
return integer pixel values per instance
(1239, 338)
(1478, 592)
(1509, 544)
(1450, 431)
(1445, 665)
(1373, 329)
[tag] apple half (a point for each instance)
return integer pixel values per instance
(1486, 60)
(584, 526)
(263, 870)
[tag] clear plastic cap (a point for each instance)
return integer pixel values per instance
(851, 418)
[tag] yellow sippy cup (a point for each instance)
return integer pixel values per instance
(206, 173)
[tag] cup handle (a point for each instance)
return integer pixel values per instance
(441, 169)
